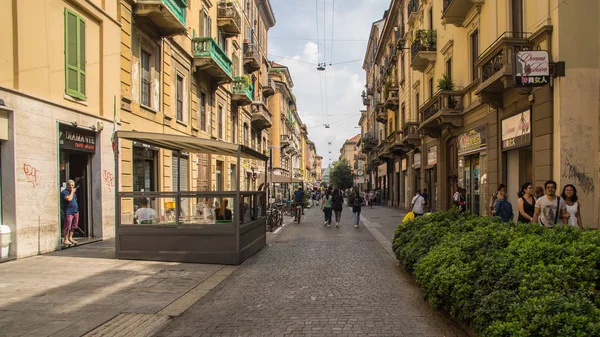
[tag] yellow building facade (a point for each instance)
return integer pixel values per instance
(59, 79)
(196, 68)
(458, 106)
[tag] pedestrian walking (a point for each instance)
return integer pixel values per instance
(326, 206)
(569, 194)
(503, 207)
(356, 208)
(337, 205)
(526, 203)
(550, 207)
(539, 192)
(418, 204)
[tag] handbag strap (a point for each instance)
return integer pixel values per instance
(557, 209)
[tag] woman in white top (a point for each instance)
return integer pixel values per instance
(569, 194)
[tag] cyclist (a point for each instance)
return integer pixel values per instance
(299, 199)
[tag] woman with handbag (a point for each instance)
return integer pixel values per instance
(337, 202)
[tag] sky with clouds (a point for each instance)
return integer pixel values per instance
(331, 96)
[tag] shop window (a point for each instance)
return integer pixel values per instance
(74, 55)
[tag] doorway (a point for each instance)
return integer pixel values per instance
(76, 166)
(471, 178)
(430, 183)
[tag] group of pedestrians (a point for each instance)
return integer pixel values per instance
(541, 205)
(332, 203)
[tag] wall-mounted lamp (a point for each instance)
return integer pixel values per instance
(100, 126)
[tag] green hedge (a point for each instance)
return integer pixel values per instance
(521, 280)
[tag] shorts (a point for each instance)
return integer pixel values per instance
(71, 222)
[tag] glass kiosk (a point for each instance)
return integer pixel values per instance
(224, 227)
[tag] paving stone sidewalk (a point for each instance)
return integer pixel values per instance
(316, 281)
(74, 291)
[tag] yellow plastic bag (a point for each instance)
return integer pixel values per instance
(408, 216)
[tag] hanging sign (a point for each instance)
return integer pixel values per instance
(531, 68)
(404, 164)
(516, 131)
(71, 138)
(432, 155)
(472, 141)
(417, 160)
(382, 170)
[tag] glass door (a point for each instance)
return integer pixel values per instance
(468, 185)
(476, 190)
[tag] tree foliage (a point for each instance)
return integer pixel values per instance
(341, 175)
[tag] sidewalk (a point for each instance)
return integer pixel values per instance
(384, 219)
(74, 291)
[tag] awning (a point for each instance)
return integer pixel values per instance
(191, 144)
(279, 179)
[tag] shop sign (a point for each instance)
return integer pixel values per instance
(382, 170)
(472, 141)
(516, 130)
(432, 155)
(404, 164)
(531, 68)
(360, 180)
(417, 160)
(71, 138)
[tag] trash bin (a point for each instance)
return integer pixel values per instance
(4, 240)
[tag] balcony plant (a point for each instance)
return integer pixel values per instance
(446, 84)
(246, 80)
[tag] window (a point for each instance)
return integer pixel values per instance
(179, 96)
(205, 24)
(219, 176)
(236, 65)
(245, 135)
(222, 41)
(417, 103)
(220, 117)
(253, 138)
(202, 111)
(517, 17)
(234, 125)
(265, 143)
(232, 177)
(431, 18)
(474, 53)
(402, 69)
(74, 55)
(145, 87)
(403, 114)
(431, 87)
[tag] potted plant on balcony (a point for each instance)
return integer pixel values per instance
(446, 84)
(430, 39)
(246, 80)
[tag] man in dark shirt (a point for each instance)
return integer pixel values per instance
(299, 198)
(70, 211)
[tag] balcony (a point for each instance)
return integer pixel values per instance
(411, 138)
(229, 19)
(268, 88)
(381, 115)
(242, 91)
(392, 102)
(285, 141)
(455, 11)
(167, 15)
(261, 117)
(210, 58)
(495, 66)
(368, 143)
(423, 50)
(370, 89)
(443, 110)
(412, 11)
(251, 57)
(384, 149)
(399, 37)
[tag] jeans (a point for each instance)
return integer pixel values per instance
(327, 215)
(338, 215)
(356, 218)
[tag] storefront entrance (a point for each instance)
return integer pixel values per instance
(471, 177)
(430, 181)
(76, 148)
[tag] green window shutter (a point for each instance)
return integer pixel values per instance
(74, 55)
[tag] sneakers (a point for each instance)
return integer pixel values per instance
(355, 226)
(337, 225)
(325, 223)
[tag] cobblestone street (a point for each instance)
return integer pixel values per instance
(316, 281)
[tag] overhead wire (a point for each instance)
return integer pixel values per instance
(317, 14)
(332, 25)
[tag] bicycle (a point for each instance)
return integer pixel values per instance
(274, 217)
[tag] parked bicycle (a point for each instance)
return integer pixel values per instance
(274, 217)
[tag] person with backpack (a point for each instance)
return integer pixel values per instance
(550, 207)
(418, 204)
(356, 207)
(338, 205)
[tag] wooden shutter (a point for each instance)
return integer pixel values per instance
(74, 55)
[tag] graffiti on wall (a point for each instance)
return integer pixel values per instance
(109, 179)
(31, 174)
(576, 172)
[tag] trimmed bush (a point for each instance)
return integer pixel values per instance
(505, 280)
